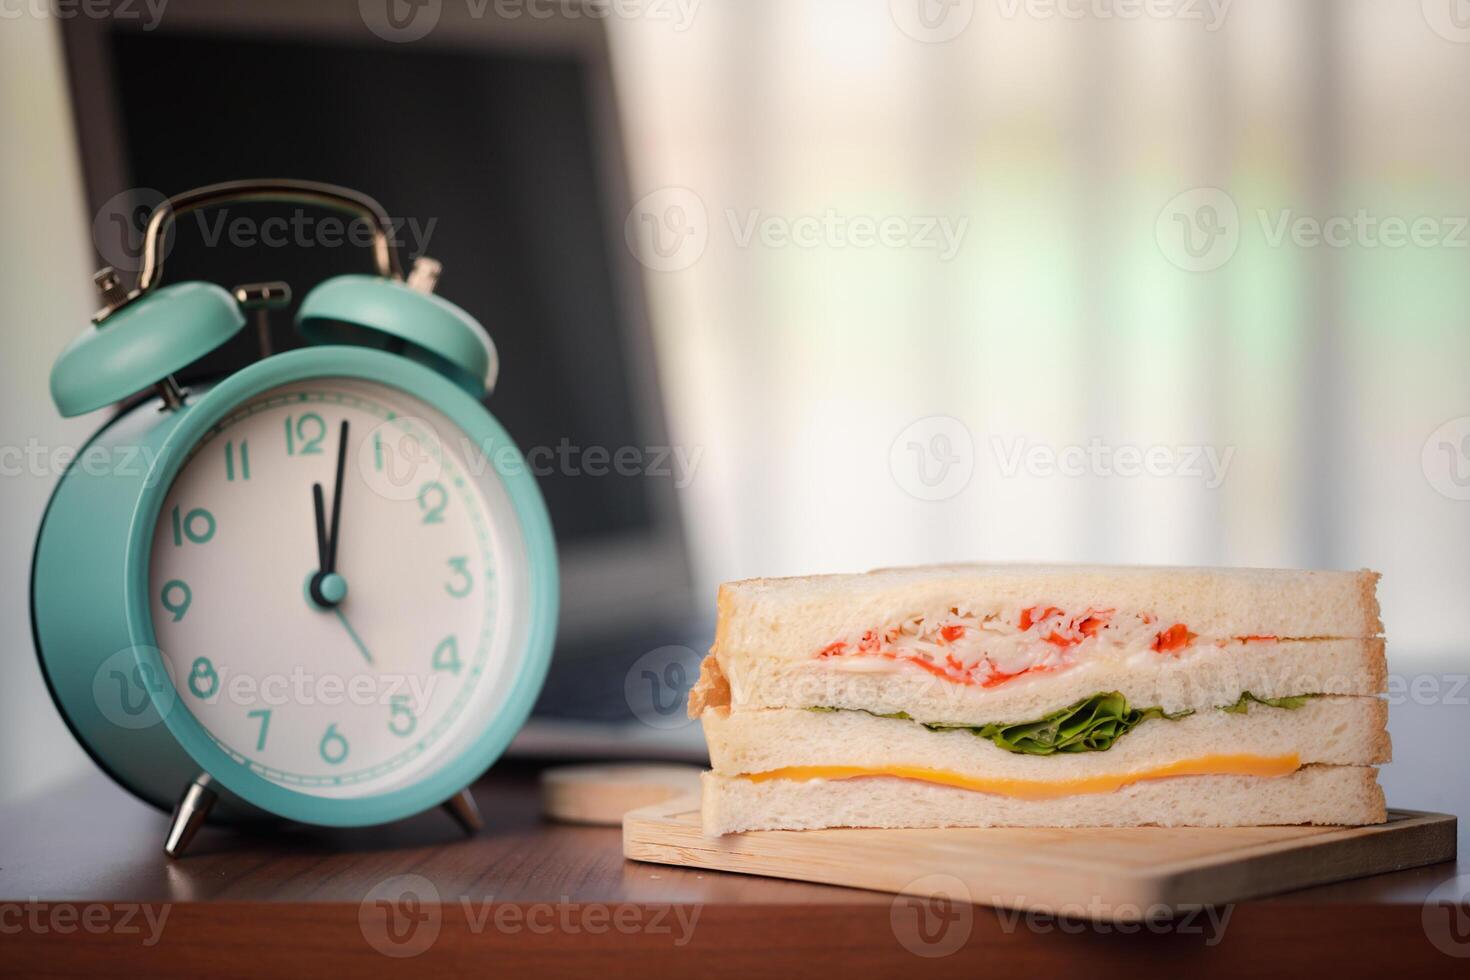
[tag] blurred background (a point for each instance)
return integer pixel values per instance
(864, 282)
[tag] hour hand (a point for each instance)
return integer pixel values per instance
(321, 527)
(327, 587)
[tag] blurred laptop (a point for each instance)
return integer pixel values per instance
(498, 140)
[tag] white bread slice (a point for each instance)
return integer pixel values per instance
(1348, 795)
(1205, 679)
(794, 618)
(1337, 730)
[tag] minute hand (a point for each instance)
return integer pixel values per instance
(337, 501)
(336, 529)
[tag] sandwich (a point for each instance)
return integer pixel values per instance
(1044, 696)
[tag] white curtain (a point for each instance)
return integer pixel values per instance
(1067, 324)
(45, 265)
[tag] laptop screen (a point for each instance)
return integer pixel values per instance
(487, 157)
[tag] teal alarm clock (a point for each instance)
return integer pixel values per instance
(322, 589)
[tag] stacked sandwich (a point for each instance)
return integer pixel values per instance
(1044, 696)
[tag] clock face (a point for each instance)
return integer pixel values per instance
(356, 660)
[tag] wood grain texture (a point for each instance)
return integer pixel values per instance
(1115, 873)
(602, 793)
(228, 939)
(288, 901)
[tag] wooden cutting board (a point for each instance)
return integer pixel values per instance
(1100, 873)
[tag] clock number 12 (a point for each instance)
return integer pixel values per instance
(309, 430)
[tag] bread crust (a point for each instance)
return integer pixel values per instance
(1372, 613)
(1272, 632)
(793, 618)
(1325, 795)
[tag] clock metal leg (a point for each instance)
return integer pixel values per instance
(462, 808)
(189, 816)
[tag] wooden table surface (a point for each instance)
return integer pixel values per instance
(81, 872)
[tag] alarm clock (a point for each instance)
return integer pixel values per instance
(322, 589)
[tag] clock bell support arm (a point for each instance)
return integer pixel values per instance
(261, 298)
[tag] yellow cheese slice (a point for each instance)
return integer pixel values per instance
(1048, 789)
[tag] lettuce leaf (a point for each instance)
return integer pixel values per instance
(1243, 703)
(1090, 725)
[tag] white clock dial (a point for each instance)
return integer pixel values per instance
(372, 689)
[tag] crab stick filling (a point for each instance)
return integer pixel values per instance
(1048, 789)
(994, 649)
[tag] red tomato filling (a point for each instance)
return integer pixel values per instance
(1173, 639)
(1060, 632)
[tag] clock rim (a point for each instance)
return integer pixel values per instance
(541, 602)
